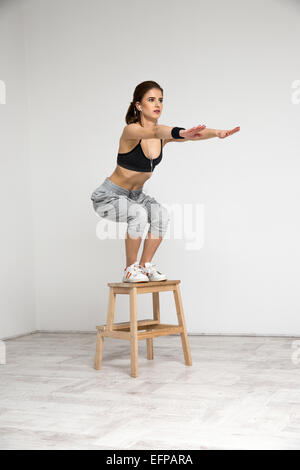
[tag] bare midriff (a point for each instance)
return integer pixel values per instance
(129, 179)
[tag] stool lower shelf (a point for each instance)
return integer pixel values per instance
(135, 330)
(152, 330)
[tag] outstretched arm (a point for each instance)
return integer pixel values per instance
(209, 133)
(201, 132)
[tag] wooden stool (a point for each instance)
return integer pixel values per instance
(132, 330)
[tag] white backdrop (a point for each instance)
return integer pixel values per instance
(17, 291)
(221, 64)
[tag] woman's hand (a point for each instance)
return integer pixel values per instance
(193, 133)
(222, 134)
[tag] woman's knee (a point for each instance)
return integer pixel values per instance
(137, 220)
(159, 220)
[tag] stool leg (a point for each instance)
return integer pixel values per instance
(99, 349)
(156, 316)
(133, 333)
(155, 302)
(150, 348)
(111, 309)
(181, 322)
(109, 326)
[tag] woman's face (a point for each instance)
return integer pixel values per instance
(152, 104)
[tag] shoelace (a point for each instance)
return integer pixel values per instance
(139, 268)
(136, 268)
(151, 268)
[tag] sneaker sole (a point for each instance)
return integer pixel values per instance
(131, 282)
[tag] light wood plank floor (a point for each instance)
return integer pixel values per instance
(240, 393)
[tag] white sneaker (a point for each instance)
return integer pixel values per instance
(133, 273)
(152, 273)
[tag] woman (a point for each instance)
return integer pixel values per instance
(120, 197)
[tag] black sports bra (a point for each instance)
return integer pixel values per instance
(136, 160)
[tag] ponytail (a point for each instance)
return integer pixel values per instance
(132, 115)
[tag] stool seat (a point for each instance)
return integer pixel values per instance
(135, 330)
(142, 284)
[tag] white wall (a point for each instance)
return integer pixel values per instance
(17, 306)
(220, 64)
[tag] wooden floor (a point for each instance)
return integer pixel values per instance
(240, 393)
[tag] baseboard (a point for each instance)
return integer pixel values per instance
(246, 335)
(19, 335)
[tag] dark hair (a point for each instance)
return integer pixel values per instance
(133, 114)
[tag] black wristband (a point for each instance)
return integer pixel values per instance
(175, 132)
